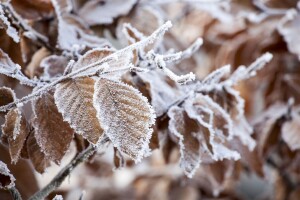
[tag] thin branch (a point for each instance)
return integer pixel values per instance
(66, 171)
(15, 193)
(22, 25)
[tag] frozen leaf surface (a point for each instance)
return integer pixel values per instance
(52, 133)
(15, 130)
(74, 99)
(37, 157)
(125, 116)
(186, 129)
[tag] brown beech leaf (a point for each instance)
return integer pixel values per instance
(186, 129)
(26, 182)
(34, 10)
(7, 180)
(90, 57)
(97, 12)
(74, 99)
(290, 132)
(125, 116)
(52, 133)
(37, 157)
(267, 127)
(54, 65)
(15, 131)
(7, 96)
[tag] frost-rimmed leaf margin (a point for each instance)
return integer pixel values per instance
(136, 154)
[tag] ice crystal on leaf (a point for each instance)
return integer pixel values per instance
(125, 115)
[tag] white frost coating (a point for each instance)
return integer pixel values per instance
(221, 152)
(74, 100)
(212, 79)
(175, 57)
(58, 197)
(114, 56)
(94, 13)
(11, 31)
(243, 73)
(190, 166)
(148, 40)
(71, 30)
(4, 171)
(224, 114)
(194, 109)
(125, 116)
(159, 60)
(137, 33)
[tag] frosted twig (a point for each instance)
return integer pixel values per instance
(60, 177)
(78, 73)
(160, 63)
(15, 193)
(175, 57)
(30, 32)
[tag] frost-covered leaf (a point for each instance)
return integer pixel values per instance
(10, 30)
(267, 127)
(74, 99)
(7, 180)
(58, 197)
(15, 131)
(211, 115)
(52, 133)
(290, 132)
(92, 60)
(37, 157)
(289, 28)
(9, 68)
(91, 57)
(7, 95)
(163, 91)
(190, 135)
(33, 68)
(125, 116)
(72, 32)
(97, 12)
(54, 66)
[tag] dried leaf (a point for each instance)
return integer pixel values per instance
(191, 149)
(52, 133)
(288, 28)
(7, 180)
(163, 91)
(37, 157)
(15, 131)
(74, 99)
(98, 12)
(72, 32)
(7, 96)
(125, 116)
